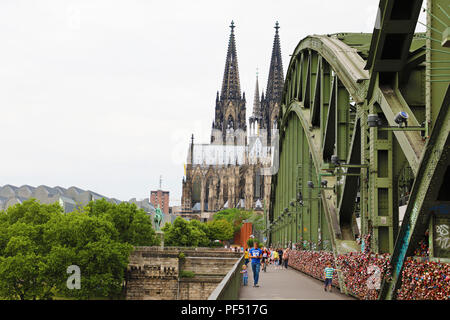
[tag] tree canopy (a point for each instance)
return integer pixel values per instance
(236, 217)
(184, 233)
(195, 233)
(233, 216)
(220, 230)
(38, 242)
(133, 224)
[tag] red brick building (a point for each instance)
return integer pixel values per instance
(160, 198)
(241, 237)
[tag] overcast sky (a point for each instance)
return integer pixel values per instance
(104, 94)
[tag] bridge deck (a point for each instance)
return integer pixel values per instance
(287, 284)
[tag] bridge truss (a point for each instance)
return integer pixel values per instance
(345, 164)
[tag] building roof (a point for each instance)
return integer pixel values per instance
(196, 207)
(68, 198)
(67, 203)
(223, 155)
(78, 190)
(10, 186)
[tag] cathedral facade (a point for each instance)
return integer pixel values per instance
(233, 170)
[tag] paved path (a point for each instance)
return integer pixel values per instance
(287, 284)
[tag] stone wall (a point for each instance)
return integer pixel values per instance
(216, 266)
(153, 273)
(197, 288)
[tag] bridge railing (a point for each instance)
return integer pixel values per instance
(228, 288)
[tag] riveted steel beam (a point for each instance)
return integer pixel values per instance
(391, 102)
(342, 120)
(425, 192)
(307, 81)
(315, 108)
(328, 97)
(330, 124)
(350, 185)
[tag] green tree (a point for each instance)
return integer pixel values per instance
(221, 230)
(233, 216)
(257, 222)
(102, 264)
(204, 241)
(38, 242)
(24, 254)
(184, 234)
(20, 276)
(93, 244)
(133, 224)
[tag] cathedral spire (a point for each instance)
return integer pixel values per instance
(275, 81)
(230, 85)
(256, 101)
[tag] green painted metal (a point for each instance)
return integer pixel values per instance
(330, 122)
(437, 58)
(426, 191)
(333, 83)
(381, 188)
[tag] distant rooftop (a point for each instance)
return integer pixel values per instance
(69, 198)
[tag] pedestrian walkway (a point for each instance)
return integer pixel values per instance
(287, 284)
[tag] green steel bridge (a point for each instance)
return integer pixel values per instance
(364, 129)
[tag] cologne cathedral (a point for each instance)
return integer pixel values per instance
(233, 170)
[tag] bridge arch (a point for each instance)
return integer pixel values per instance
(333, 83)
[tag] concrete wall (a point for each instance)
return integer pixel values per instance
(228, 288)
(154, 272)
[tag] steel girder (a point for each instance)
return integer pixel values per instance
(427, 185)
(329, 91)
(434, 161)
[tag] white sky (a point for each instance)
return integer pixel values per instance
(104, 94)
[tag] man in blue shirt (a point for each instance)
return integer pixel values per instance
(256, 255)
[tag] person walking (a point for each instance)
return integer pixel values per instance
(246, 256)
(286, 257)
(328, 272)
(275, 258)
(244, 274)
(264, 259)
(255, 254)
(280, 257)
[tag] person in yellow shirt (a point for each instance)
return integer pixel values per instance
(276, 257)
(246, 256)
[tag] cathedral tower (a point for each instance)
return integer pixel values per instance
(272, 101)
(229, 126)
(218, 176)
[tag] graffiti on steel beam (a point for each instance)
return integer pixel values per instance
(443, 238)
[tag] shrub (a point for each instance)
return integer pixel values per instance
(187, 274)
